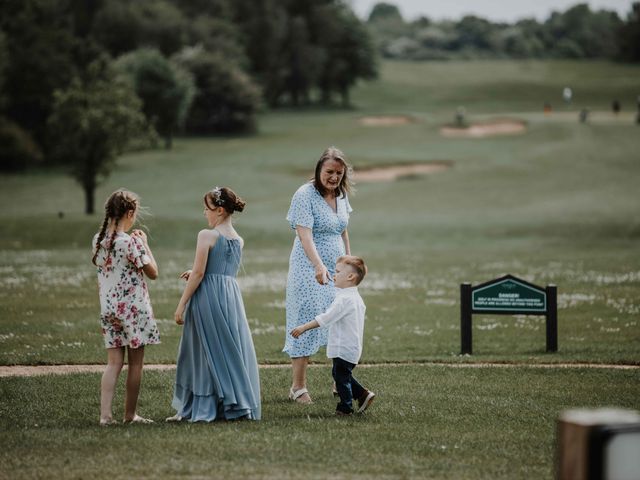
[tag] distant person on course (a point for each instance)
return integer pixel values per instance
(319, 214)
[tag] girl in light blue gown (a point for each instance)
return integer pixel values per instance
(217, 372)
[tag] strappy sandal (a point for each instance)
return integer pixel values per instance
(294, 395)
(138, 419)
(175, 418)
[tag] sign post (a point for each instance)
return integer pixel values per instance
(508, 295)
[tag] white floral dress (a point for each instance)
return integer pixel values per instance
(125, 308)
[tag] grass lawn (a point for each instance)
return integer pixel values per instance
(428, 422)
(558, 204)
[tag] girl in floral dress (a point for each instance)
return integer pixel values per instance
(125, 310)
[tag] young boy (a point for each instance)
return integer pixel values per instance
(345, 319)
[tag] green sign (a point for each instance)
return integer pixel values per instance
(509, 294)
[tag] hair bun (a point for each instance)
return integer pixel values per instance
(239, 205)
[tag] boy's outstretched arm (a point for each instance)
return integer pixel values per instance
(296, 332)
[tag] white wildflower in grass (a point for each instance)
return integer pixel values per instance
(274, 281)
(263, 330)
(64, 324)
(600, 278)
(7, 336)
(528, 322)
(422, 333)
(280, 304)
(165, 321)
(623, 305)
(610, 329)
(259, 327)
(12, 281)
(440, 301)
(512, 266)
(566, 300)
(435, 293)
(79, 304)
(489, 326)
(380, 282)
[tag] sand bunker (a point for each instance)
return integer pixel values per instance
(486, 129)
(393, 172)
(386, 120)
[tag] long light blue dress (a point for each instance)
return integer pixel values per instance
(217, 373)
(305, 297)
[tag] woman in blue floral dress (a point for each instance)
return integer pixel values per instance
(319, 214)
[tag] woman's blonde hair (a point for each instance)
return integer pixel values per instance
(333, 153)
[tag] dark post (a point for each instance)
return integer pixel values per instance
(552, 318)
(465, 318)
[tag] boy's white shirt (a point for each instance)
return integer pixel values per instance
(345, 320)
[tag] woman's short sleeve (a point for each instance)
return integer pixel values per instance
(300, 211)
(348, 205)
(136, 253)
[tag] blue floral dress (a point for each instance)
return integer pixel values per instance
(306, 298)
(126, 315)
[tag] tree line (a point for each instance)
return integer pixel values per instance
(577, 33)
(83, 80)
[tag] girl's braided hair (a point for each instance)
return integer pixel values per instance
(116, 207)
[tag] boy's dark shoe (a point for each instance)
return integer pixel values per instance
(365, 400)
(340, 413)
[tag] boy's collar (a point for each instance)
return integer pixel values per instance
(347, 289)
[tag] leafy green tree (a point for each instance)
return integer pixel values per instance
(226, 100)
(474, 32)
(305, 61)
(629, 35)
(385, 12)
(18, 150)
(122, 26)
(4, 64)
(580, 33)
(213, 8)
(350, 52)
(522, 40)
(389, 28)
(166, 90)
(41, 50)
(298, 46)
(218, 36)
(264, 26)
(92, 121)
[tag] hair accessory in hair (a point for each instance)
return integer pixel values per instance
(217, 196)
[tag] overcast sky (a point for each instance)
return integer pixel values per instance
(496, 10)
